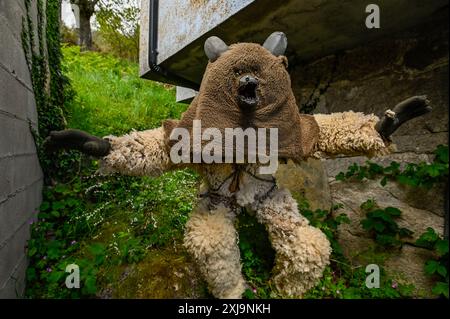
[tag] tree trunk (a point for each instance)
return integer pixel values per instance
(85, 29)
(86, 9)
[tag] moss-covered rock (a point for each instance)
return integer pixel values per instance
(162, 274)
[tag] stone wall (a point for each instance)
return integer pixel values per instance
(371, 79)
(20, 173)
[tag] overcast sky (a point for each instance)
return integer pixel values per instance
(69, 18)
(67, 14)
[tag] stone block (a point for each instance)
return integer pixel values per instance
(15, 137)
(15, 286)
(17, 172)
(12, 253)
(12, 11)
(306, 180)
(18, 209)
(16, 99)
(13, 59)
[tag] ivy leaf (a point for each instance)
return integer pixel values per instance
(442, 247)
(405, 232)
(441, 154)
(431, 266)
(44, 206)
(393, 168)
(56, 276)
(441, 288)
(55, 213)
(362, 174)
(381, 214)
(428, 239)
(441, 270)
(379, 227)
(60, 188)
(72, 202)
(43, 215)
(31, 274)
(321, 213)
(90, 285)
(351, 293)
(58, 205)
(352, 169)
(54, 249)
(406, 180)
(32, 251)
(337, 249)
(393, 211)
(383, 181)
(432, 170)
(248, 293)
(367, 224)
(387, 240)
(342, 218)
(368, 205)
(340, 176)
(97, 249)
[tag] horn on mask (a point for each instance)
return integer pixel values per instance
(276, 43)
(214, 47)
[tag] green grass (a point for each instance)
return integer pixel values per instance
(110, 96)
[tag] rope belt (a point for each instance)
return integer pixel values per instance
(216, 198)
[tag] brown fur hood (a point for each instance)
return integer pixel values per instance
(217, 106)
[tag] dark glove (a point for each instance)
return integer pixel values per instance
(404, 111)
(77, 140)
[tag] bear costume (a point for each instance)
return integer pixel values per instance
(247, 85)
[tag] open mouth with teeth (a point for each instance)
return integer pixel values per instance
(247, 94)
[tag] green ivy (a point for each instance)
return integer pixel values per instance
(341, 279)
(148, 213)
(416, 175)
(326, 221)
(257, 256)
(51, 88)
(438, 266)
(381, 223)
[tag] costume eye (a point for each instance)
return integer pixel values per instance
(255, 70)
(238, 72)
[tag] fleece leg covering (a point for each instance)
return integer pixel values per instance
(211, 238)
(302, 251)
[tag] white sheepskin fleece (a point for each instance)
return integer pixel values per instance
(302, 251)
(349, 133)
(211, 238)
(137, 154)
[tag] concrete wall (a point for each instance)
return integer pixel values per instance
(20, 174)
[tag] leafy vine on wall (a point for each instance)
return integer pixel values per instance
(41, 44)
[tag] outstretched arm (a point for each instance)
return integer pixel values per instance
(137, 153)
(352, 134)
